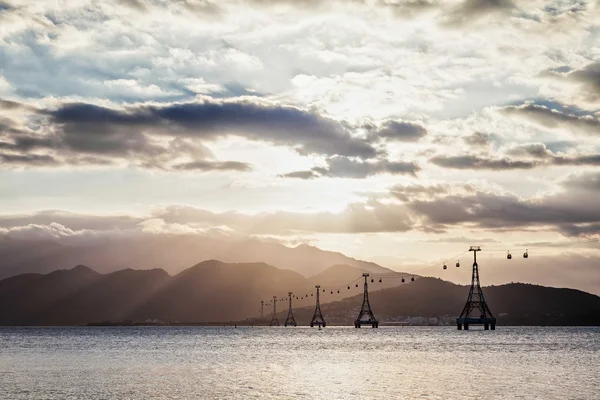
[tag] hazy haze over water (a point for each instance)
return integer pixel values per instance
(274, 363)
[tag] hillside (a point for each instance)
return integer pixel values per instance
(171, 253)
(209, 291)
(512, 304)
(214, 291)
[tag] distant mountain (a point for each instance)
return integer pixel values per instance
(214, 291)
(209, 291)
(171, 253)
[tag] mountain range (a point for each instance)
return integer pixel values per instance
(171, 253)
(214, 291)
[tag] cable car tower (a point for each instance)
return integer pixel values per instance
(365, 310)
(274, 320)
(262, 309)
(476, 310)
(317, 318)
(290, 317)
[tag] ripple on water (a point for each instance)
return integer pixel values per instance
(300, 363)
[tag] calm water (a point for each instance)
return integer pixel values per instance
(302, 363)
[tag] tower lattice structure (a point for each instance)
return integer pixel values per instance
(290, 317)
(476, 310)
(365, 316)
(274, 320)
(317, 318)
(262, 309)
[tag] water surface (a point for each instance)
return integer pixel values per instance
(299, 363)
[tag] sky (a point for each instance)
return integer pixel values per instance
(399, 132)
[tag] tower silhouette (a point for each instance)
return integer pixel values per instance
(262, 309)
(274, 320)
(476, 310)
(365, 316)
(290, 317)
(317, 318)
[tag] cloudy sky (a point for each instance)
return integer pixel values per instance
(399, 131)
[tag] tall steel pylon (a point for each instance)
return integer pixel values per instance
(290, 317)
(274, 320)
(475, 302)
(365, 310)
(317, 318)
(262, 309)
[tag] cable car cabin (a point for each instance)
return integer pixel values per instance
(357, 285)
(412, 279)
(526, 254)
(379, 280)
(509, 256)
(348, 287)
(372, 280)
(445, 266)
(402, 279)
(457, 264)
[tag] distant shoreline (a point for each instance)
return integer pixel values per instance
(247, 325)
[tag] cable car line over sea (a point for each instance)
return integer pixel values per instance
(475, 299)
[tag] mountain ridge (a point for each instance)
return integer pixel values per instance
(214, 291)
(172, 253)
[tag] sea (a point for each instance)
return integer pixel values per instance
(116, 363)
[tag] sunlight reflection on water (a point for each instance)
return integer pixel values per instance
(274, 363)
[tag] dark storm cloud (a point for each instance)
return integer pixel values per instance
(552, 118)
(498, 211)
(581, 230)
(307, 132)
(402, 131)
(573, 211)
(476, 162)
(344, 167)
(154, 136)
(85, 143)
(24, 143)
